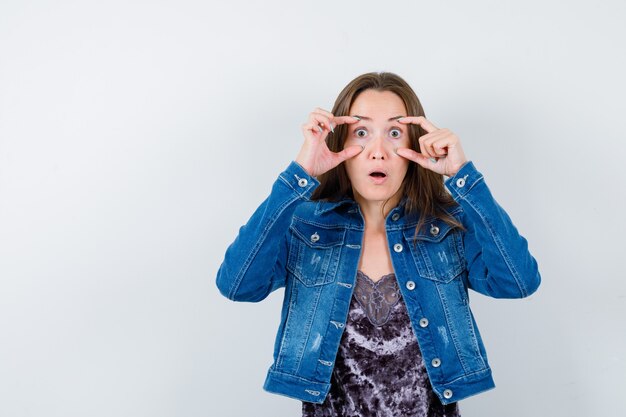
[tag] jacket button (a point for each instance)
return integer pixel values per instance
(315, 237)
(395, 217)
(436, 362)
(397, 247)
(423, 322)
(460, 182)
(434, 230)
(410, 285)
(447, 394)
(302, 182)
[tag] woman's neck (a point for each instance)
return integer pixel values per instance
(375, 212)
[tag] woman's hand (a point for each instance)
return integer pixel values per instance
(440, 149)
(314, 156)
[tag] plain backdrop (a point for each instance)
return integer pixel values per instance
(136, 137)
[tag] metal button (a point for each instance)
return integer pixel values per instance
(423, 322)
(397, 247)
(395, 217)
(434, 230)
(436, 362)
(410, 285)
(447, 394)
(460, 182)
(315, 237)
(302, 182)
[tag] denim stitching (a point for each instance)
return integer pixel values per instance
(500, 247)
(257, 246)
(485, 371)
(455, 340)
(337, 324)
(307, 328)
(292, 299)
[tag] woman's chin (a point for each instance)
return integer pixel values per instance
(375, 195)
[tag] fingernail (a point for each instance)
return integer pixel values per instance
(395, 150)
(357, 117)
(331, 128)
(433, 160)
(320, 129)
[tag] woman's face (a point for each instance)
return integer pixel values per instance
(376, 174)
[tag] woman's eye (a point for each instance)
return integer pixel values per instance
(395, 133)
(360, 133)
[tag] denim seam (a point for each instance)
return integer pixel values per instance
(323, 246)
(290, 375)
(457, 267)
(462, 191)
(292, 296)
(307, 328)
(474, 337)
(259, 243)
(302, 191)
(467, 375)
(499, 245)
(459, 246)
(455, 341)
(324, 225)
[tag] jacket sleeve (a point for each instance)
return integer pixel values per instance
(498, 261)
(254, 264)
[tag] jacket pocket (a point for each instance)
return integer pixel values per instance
(314, 252)
(437, 251)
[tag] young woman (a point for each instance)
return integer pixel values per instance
(377, 251)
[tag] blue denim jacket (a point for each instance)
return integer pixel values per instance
(312, 248)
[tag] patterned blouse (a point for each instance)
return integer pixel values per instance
(379, 369)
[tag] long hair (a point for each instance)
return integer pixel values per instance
(424, 189)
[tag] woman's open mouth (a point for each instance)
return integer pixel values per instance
(378, 177)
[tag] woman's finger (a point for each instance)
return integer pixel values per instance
(347, 153)
(321, 120)
(312, 127)
(317, 125)
(335, 121)
(425, 146)
(419, 120)
(327, 115)
(339, 120)
(432, 143)
(414, 156)
(440, 147)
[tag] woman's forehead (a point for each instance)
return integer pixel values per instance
(378, 105)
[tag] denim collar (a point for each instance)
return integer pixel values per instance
(324, 206)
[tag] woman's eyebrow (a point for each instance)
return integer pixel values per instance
(391, 119)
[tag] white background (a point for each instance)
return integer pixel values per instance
(136, 137)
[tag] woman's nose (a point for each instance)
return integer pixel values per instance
(377, 148)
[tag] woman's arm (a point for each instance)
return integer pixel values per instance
(498, 261)
(254, 263)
